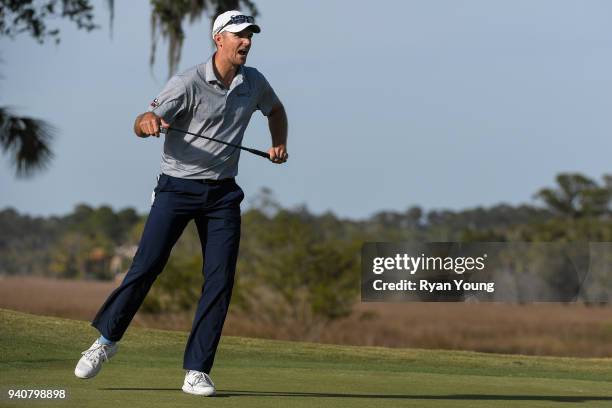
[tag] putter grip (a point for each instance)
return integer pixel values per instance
(258, 152)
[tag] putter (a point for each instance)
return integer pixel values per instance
(254, 151)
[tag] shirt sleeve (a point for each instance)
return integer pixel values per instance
(171, 101)
(267, 97)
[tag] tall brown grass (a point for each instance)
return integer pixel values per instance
(539, 329)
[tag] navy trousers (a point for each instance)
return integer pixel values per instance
(215, 207)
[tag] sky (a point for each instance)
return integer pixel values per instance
(444, 104)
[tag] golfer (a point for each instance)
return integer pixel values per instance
(215, 99)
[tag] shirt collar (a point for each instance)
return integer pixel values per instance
(210, 72)
(212, 78)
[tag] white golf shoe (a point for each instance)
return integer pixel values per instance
(90, 364)
(198, 383)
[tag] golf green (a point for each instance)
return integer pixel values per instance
(38, 352)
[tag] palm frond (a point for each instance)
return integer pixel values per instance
(28, 142)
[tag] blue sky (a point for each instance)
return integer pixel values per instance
(442, 104)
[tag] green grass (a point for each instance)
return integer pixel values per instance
(39, 352)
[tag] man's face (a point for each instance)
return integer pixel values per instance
(234, 46)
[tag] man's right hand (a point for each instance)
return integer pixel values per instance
(148, 124)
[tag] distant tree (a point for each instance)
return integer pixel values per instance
(577, 195)
(304, 276)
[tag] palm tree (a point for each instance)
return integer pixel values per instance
(28, 141)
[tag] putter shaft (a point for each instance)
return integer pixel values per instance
(254, 151)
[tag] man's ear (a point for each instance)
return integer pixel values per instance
(217, 40)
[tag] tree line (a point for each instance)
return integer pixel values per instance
(293, 264)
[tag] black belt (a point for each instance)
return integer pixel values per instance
(206, 181)
(218, 181)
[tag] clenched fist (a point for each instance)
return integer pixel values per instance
(278, 154)
(149, 124)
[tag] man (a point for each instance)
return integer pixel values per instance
(214, 99)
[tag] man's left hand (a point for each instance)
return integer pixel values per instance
(278, 154)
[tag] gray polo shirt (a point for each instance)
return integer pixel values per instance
(197, 101)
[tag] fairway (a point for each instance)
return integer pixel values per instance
(40, 353)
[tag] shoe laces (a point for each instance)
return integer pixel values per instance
(200, 377)
(96, 353)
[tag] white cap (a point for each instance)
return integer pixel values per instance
(223, 23)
